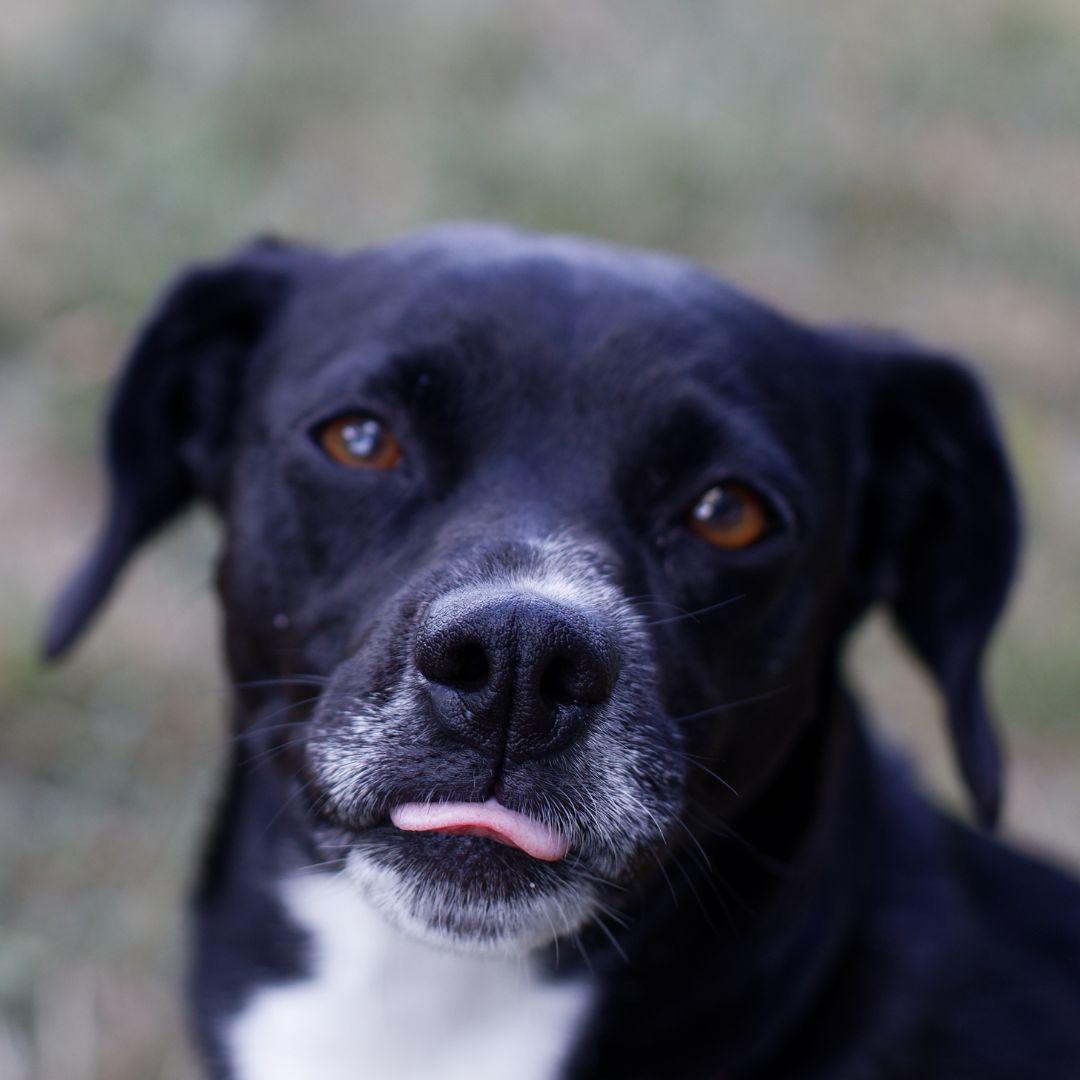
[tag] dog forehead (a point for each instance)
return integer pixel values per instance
(496, 250)
(451, 274)
(546, 306)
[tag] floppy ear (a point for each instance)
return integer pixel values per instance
(168, 427)
(939, 531)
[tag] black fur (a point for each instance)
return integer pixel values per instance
(799, 911)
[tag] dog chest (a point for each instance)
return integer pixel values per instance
(378, 1005)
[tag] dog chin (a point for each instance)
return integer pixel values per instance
(470, 900)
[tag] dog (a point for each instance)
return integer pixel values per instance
(539, 560)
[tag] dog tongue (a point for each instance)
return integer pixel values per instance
(488, 819)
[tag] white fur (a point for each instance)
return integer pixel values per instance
(380, 1006)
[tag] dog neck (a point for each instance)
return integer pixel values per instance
(748, 939)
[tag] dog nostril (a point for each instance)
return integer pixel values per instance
(467, 666)
(460, 665)
(566, 681)
(556, 687)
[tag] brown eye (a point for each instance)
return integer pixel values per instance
(359, 442)
(730, 515)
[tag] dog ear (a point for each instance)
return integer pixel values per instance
(168, 426)
(938, 531)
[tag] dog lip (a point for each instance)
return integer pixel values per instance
(489, 819)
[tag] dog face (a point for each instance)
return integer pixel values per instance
(567, 536)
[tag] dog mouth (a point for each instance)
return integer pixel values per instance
(489, 820)
(494, 875)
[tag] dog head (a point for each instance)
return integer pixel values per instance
(568, 537)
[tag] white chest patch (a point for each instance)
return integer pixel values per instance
(379, 1006)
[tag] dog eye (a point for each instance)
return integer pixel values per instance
(731, 516)
(358, 442)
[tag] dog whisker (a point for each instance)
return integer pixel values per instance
(588, 875)
(277, 748)
(697, 612)
(583, 952)
(691, 759)
(250, 734)
(707, 864)
(665, 875)
(655, 601)
(726, 705)
(322, 865)
(725, 831)
(689, 879)
(284, 680)
(287, 708)
(612, 914)
(302, 788)
(598, 920)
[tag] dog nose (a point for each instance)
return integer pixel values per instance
(515, 671)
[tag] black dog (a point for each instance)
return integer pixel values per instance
(566, 540)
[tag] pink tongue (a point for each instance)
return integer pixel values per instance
(488, 819)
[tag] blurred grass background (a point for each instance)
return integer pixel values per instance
(914, 165)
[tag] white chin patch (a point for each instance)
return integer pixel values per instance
(432, 912)
(376, 1004)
